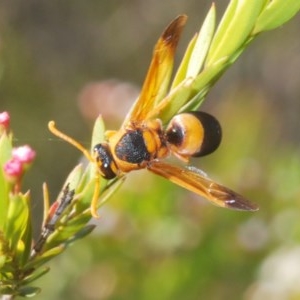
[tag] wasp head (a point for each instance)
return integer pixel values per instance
(105, 161)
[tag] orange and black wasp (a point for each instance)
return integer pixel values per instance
(144, 142)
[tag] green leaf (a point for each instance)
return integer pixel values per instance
(27, 240)
(6, 265)
(86, 195)
(17, 221)
(234, 29)
(195, 102)
(35, 275)
(74, 178)
(182, 69)
(5, 155)
(5, 148)
(84, 180)
(2, 260)
(43, 258)
(202, 44)
(196, 51)
(275, 14)
(28, 291)
(86, 230)
(174, 101)
(186, 95)
(209, 75)
(98, 132)
(4, 190)
(98, 136)
(6, 290)
(69, 230)
(110, 189)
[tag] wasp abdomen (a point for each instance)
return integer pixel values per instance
(193, 134)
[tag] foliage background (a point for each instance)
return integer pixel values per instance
(154, 240)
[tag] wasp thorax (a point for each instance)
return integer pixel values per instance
(105, 161)
(193, 134)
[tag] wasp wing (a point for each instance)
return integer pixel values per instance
(157, 79)
(194, 180)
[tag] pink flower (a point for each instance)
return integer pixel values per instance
(4, 121)
(13, 170)
(25, 154)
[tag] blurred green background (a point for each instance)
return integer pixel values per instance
(71, 60)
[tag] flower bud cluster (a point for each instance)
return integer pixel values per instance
(21, 157)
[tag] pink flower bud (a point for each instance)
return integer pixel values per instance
(13, 170)
(4, 121)
(25, 154)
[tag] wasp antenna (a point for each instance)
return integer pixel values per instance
(68, 139)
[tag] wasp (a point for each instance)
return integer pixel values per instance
(144, 142)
